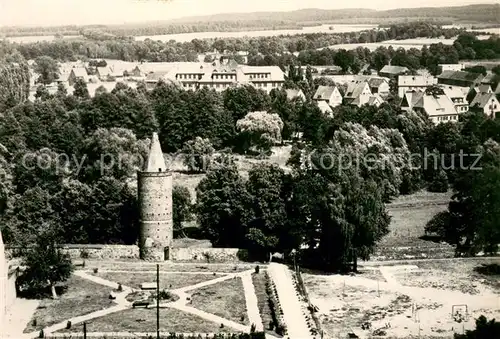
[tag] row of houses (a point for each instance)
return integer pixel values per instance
(460, 92)
(218, 75)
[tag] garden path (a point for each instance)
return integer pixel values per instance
(181, 304)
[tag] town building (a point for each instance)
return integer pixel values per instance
(292, 94)
(450, 67)
(325, 108)
(459, 98)
(486, 103)
(358, 93)
(392, 72)
(460, 79)
(439, 108)
(330, 94)
(414, 83)
(103, 73)
(78, 73)
(379, 86)
(154, 185)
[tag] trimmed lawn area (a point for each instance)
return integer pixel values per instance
(81, 297)
(144, 320)
(167, 280)
(259, 283)
(225, 299)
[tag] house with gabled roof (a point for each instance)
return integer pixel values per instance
(410, 98)
(292, 94)
(103, 73)
(459, 98)
(414, 83)
(376, 100)
(330, 94)
(379, 86)
(78, 73)
(393, 72)
(325, 108)
(486, 103)
(460, 79)
(439, 108)
(358, 93)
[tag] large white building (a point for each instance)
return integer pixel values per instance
(217, 75)
(414, 83)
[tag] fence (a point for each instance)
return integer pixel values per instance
(310, 306)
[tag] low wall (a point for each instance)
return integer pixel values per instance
(132, 252)
(204, 254)
(81, 251)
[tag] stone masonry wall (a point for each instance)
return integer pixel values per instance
(204, 254)
(132, 252)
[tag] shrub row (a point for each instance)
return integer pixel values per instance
(275, 306)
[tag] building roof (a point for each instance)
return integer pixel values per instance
(103, 71)
(488, 79)
(395, 70)
(80, 71)
(324, 107)
(436, 105)
(324, 92)
(481, 100)
(355, 88)
(412, 97)
(454, 92)
(483, 88)
(294, 93)
(374, 99)
(376, 82)
(156, 161)
(460, 75)
(276, 72)
(416, 81)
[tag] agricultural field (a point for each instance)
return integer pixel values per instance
(413, 300)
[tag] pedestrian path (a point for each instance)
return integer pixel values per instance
(292, 311)
(252, 302)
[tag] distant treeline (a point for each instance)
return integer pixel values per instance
(101, 45)
(277, 20)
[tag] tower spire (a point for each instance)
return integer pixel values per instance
(156, 161)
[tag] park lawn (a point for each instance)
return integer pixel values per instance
(259, 283)
(167, 280)
(144, 320)
(225, 299)
(81, 297)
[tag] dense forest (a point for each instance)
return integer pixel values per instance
(479, 14)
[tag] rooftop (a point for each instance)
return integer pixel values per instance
(156, 161)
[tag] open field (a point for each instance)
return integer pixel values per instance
(139, 266)
(144, 320)
(415, 300)
(225, 299)
(81, 297)
(169, 281)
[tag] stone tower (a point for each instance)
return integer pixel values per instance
(155, 203)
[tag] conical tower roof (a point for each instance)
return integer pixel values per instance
(156, 161)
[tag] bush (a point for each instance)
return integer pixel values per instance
(84, 254)
(68, 325)
(257, 269)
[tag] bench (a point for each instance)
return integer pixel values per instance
(141, 303)
(148, 286)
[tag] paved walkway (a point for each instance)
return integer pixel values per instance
(252, 302)
(17, 319)
(292, 311)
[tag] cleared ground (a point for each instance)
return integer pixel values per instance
(81, 297)
(225, 299)
(414, 300)
(144, 320)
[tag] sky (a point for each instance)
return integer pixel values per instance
(85, 12)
